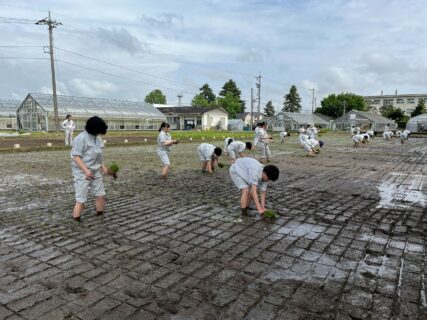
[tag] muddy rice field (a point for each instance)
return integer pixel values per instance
(350, 241)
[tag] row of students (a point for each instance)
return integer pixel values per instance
(87, 168)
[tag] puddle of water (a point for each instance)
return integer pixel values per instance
(393, 195)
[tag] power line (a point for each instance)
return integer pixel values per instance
(23, 58)
(124, 68)
(115, 75)
(23, 46)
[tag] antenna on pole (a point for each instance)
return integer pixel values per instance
(52, 24)
(179, 99)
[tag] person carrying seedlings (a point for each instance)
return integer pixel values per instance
(164, 141)
(235, 149)
(208, 155)
(248, 175)
(257, 134)
(87, 167)
(227, 141)
(283, 136)
(69, 126)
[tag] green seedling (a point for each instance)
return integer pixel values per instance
(220, 165)
(113, 169)
(271, 214)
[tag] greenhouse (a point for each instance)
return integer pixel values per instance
(294, 120)
(35, 113)
(8, 114)
(364, 120)
(418, 123)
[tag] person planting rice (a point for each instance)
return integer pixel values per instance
(164, 141)
(358, 139)
(227, 141)
(87, 167)
(208, 155)
(248, 175)
(387, 135)
(403, 136)
(283, 136)
(235, 149)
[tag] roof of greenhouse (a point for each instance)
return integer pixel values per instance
(82, 106)
(376, 118)
(305, 118)
(8, 107)
(419, 118)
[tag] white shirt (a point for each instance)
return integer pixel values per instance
(250, 170)
(162, 138)
(236, 146)
(68, 125)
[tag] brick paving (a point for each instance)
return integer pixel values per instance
(350, 242)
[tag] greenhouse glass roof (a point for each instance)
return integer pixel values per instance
(8, 107)
(81, 106)
(305, 118)
(420, 118)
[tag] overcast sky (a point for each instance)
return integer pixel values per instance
(360, 46)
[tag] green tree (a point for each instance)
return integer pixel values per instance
(269, 109)
(420, 108)
(155, 96)
(292, 102)
(230, 103)
(335, 105)
(395, 114)
(207, 93)
(231, 87)
(200, 101)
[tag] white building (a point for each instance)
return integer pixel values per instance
(406, 102)
(196, 118)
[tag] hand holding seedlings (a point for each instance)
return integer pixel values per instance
(271, 214)
(113, 169)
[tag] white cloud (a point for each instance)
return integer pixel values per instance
(93, 88)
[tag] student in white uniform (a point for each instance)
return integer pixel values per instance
(302, 132)
(235, 149)
(312, 131)
(371, 133)
(357, 139)
(164, 141)
(87, 167)
(227, 141)
(69, 126)
(357, 130)
(248, 175)
(257, 134)
(208, 155)
(283, 136)
(386, 128)
(403, 136)
(263, 141)
(352, 130)
(387, 135)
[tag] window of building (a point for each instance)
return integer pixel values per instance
(9, 126)
(122, 127)
(388, 102)
(410, 100)
(137, 126)
(400, 101)
(376, 101)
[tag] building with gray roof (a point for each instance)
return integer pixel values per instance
(35, 113)
(8, 114)
(294, 120)
(364, 120)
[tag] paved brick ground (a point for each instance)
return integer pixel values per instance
(350, 242)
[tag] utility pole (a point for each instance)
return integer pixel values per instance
(312, 102)
(258, 85)
(343, 103)
(252, 108)
(179, 99)
(52, 24)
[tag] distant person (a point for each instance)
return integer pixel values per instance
(283, 136)
(87, 167)
(386, 128)
(164, 141)
(248, 175)
(227, 141)
(263, 140)
(69, 126)
(208, 155)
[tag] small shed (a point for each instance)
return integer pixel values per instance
(236, 124)
(196, 118)
(294, 120)
(35, 113)
(8, 114)
(418, 123)
(364, 120)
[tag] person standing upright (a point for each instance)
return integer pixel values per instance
(68, 125)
